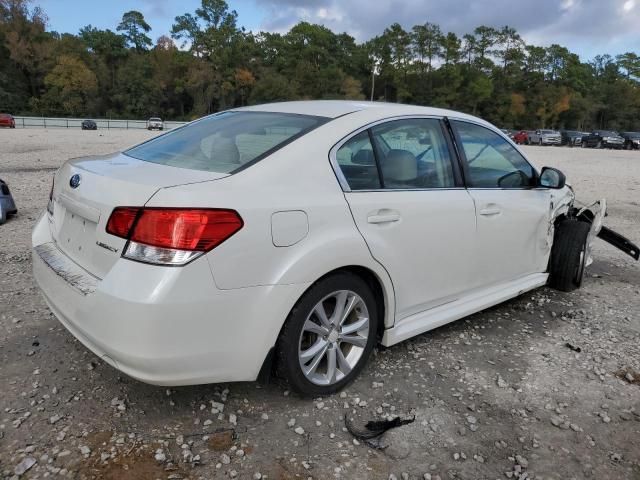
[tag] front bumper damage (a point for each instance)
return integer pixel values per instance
(594, 214)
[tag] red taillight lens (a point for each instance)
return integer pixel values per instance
(121, 221)
(192, 229)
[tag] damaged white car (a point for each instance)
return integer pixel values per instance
(300, 235)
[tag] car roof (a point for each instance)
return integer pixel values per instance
(338, 108)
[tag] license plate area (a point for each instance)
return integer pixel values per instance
(77, 236)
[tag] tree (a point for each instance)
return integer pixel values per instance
(218, 64)
(71, 86)
(135, 29)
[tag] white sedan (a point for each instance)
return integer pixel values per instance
(299, 235)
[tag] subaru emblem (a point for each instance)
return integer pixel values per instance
(74, 181)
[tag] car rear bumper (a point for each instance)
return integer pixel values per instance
(163, 325)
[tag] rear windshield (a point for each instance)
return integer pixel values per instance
(225, 142)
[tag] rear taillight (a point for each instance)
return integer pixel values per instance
(172, 236)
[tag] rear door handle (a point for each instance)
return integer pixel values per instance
(383, 218)
(490, 211)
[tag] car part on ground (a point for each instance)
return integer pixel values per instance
(7, 204)
(374, 429)
(191, 257)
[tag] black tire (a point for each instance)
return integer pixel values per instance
(287, 359)
(3, 216)
(568, 255)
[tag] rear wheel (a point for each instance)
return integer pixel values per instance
(3, 215)
(329, 335)
(569, 255)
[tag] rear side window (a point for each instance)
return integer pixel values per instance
(492, 162)
(358, 163)
(413, 154)
(410, 154)
(225, 142)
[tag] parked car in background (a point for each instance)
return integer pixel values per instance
(571, 138)
(7, 120)
(603, 139)
(521, 137)
(545, 137)
(89, 125)
(631, 140)
(7, 205)
(509, 133)
(155, 123)
(302, 233)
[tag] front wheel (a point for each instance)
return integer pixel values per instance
(329, 335)
(569, 255)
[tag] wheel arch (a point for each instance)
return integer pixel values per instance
(382, 289)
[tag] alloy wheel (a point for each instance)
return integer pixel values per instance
(333, 338)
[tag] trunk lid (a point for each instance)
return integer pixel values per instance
(102, 183)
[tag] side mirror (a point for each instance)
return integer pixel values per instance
(551, 178)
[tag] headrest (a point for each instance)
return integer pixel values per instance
(400, 166)
(363, 157)
(225, 150)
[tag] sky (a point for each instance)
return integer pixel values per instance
(586, 27)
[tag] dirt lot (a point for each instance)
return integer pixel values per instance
(497, 395)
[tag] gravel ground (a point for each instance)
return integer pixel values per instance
(497, 395)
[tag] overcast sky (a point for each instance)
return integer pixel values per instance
(587, 27)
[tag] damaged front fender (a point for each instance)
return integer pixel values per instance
(594, 214)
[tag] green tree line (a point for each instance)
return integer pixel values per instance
(210, 63)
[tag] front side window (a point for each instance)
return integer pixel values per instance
(226, 142)
(492, 162)
(413, 154)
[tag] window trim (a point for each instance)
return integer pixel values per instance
(453, 156)
(463, 156)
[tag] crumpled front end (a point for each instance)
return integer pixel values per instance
(594, 213)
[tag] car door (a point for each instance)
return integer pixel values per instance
(512, 214)
(408, 202)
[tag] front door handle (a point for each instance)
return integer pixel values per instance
(386, 217)
(489, 211)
